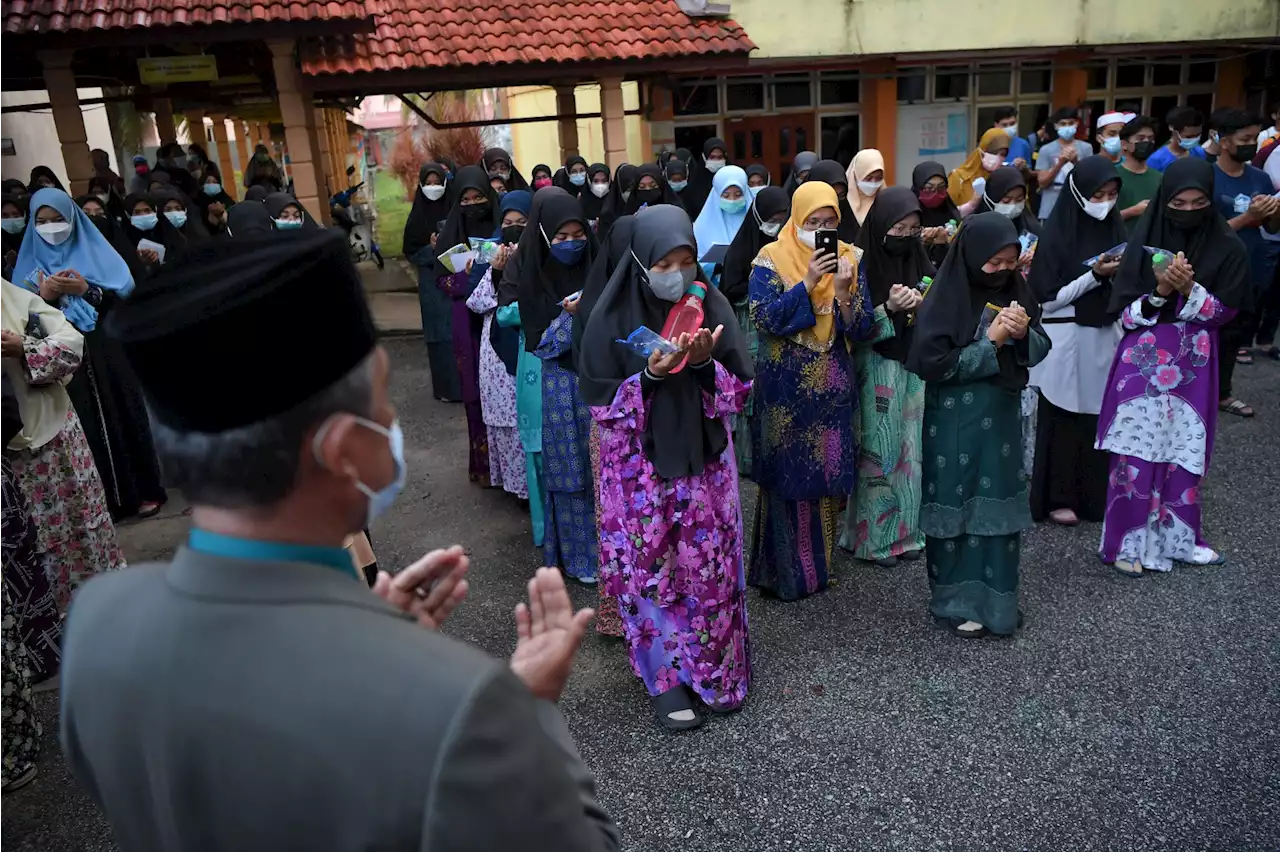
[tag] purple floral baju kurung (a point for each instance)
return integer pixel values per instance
(671, 553)
(1157, 421)
(466, 350)
(498, 400)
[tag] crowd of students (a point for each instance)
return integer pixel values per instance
(78, 448)
(1041, 333)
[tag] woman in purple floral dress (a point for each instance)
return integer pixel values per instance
(1160, 407)
(671, 531)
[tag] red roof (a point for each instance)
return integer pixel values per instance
(45, 16)
(417, 34)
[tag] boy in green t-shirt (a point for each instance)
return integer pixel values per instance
(1138, 184)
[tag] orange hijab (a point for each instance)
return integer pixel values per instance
(960, 184)
(789, 258)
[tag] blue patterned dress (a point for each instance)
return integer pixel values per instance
(570, 539)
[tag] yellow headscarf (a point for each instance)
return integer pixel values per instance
(864, 163)
(960, 184)
(789, 257)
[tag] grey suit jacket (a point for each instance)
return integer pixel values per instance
(219, 704)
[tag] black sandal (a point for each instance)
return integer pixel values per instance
(954, 626)
(673, 701)
(911, 555)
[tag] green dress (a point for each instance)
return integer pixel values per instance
(528, 417)
(881, 520)
(975, 492)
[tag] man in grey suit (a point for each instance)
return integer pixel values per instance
(254, 694)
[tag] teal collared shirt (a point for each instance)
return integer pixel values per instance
(256, 550)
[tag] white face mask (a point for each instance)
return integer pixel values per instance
(54, 233)
(870, 187)
(991, 162)
(1012, 131)
(102, 196)
(771, 229)
(1096, 209)
(626, 195)
(809, 238)
(1011, 211)
(433, 192)
(714, 166)
(599, 190)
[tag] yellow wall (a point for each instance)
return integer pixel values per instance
(851, 27)
(539, 142)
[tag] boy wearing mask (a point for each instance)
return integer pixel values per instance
(1109, 126)
(1056, 159)
(1006, 118)
(1138, 181)
(1185, 126)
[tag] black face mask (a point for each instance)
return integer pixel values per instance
(1245, 153)
(475, 211)
(994, 281)
(900, 246)
(511, 233)
(649, 196)
(1143, 149)
(1188, 220)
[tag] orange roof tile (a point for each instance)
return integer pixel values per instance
(49, 16)
(418, 34)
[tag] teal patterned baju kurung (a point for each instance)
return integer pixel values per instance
(975, 491)
(528, 418)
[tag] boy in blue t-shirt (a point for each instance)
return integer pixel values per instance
(1243, 195)
(1185, 126)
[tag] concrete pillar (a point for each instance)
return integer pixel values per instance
(299, 129)
(60, 81)
(339, 143)
(195, 127)
(1229, 91)
(1070, 81)
(165, 128)
(658, 130)
(225, 165)
(238, 130)
(880, 117)
(613, 116)
(324, 161)
(567, 104)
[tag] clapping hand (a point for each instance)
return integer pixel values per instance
(1263, 206)
(548, 635)
(903, 298)
(71, 282)
(1069, 154)
(430, 588)
(1015, 320)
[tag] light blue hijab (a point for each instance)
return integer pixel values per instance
(86, 251)
(715, 226)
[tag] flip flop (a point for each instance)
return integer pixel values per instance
(672, 701)
(1244, 356)
(1127, 572)
(1237, 408)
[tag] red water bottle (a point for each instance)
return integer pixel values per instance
(685, 317)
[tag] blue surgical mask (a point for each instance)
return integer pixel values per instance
(1188, 144)
(379, 501)
(13, 226)
(755, 190)
(677, 185)
(578, 178)
(1066, 133)
(177, 218)
(1111, 144)
(212, 188)
(144, 221)
(568, 252)
(288, 224)
(733, 205)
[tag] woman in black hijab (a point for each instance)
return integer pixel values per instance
(714, 158)
(556, 252)
(761, 175)
(831, 172)
(42, 176)
(497, 163)
(214, 202)
(799, 173)
(975, 336)
(15, 219)
(474, 214)
(258, 192)
(937, 210)
(542, 176)
(182, 214)
(676, 171)
(1069, 478)
(594, 193)
(572, 177)
(1006, 193)
(1161, 406)
(13, 186)
(880, 524)
(617, 202)
(431, 207)
(651, 188)
(245, 220)
(667, 478)
(147, 222)
(288, 212)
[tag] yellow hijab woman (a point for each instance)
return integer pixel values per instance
(789, 258)
(985, 159)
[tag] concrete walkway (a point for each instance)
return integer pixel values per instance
(393, 296)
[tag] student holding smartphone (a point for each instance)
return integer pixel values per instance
(807, 307)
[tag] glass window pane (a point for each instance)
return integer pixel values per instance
(1133, 105)
(951, 83)
(697, 98)
(740, 96)
(792, 90)
(1098, 75)
(1035, 78)
(1160, 106)
(1202, 101)
(986, 119)
(1166, 74)
(1131, 75)
(739, 145)
(911, 85)
(757, 145)
(839, 89)
(995, 80)
(1202, 70)
(841, 137)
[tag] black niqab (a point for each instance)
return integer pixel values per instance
(665, 194)
(544, 281)
(459, 228)
(1071, 236)
(884, 269)
(1214, 250)
(746, 244)
(947, 320)
(832, 173)
(679, 439)
(425, 215)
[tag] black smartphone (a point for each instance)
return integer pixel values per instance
(826, 241)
